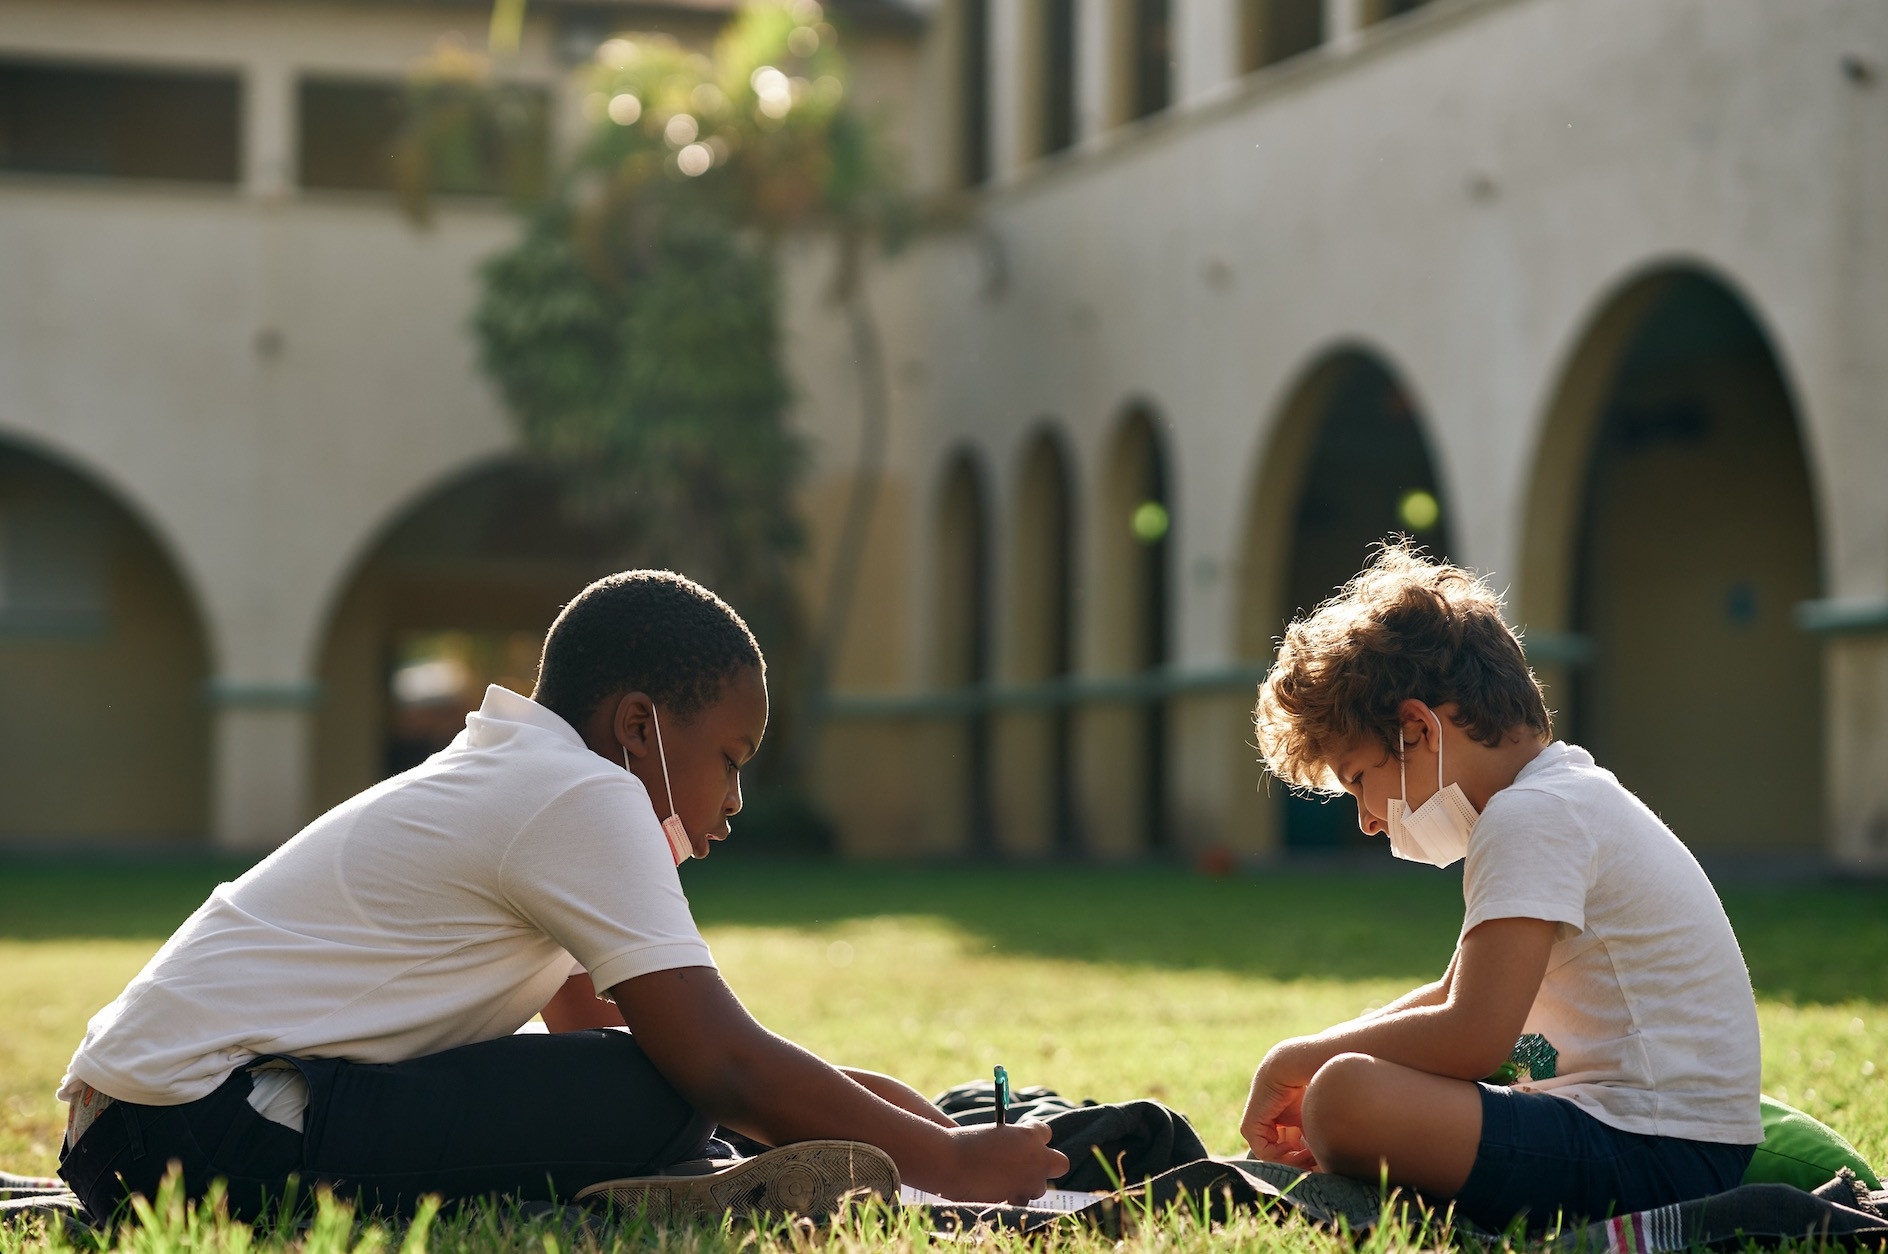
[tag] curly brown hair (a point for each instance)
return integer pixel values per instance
(1405, 626)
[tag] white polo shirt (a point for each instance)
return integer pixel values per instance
(440, 908)
(1646, 1000)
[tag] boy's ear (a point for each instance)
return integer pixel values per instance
(1418, 723)
(632, 723)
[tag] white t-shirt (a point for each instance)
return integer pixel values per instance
(440, 908)
(1646, 997)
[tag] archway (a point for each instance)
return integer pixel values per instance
(1347, 467)
(961, 651)
(1035, 779)
(1124, 746)
(1672, 476)
(456, 594)
(104, 726)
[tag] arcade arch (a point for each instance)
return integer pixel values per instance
(1035, 783)
(456, 593)
(960, 654)
(1348, 465)
(1124, 743)
(1671, 529)
(104, 659)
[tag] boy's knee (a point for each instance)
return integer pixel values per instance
(1339, 1104)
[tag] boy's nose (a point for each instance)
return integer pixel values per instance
(1367, 822)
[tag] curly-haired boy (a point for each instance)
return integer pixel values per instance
(1590, 935)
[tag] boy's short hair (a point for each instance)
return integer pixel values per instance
(1405, 626)
(649, 631)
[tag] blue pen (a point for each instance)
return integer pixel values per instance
(1002, 1097)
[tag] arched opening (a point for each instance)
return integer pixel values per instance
(457, 594)
(104, 722)
(1126, 744)
(1035, 765)
(1347, 467)
(961, 649)
(1672, 529)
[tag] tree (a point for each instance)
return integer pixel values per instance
(633, 330)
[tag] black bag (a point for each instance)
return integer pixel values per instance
(1111, 1145)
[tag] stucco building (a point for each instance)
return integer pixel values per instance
(1592, 296)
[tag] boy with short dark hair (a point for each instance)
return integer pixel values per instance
(346, 1011)
(1590, 937)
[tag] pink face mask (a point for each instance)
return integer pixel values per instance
(680, 847)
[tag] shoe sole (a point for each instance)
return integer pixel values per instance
(807, 1178)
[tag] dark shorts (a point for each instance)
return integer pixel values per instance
(533, 1118)
(1543, 1157)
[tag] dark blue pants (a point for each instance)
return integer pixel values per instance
(534, 1118)
(1543, 1157)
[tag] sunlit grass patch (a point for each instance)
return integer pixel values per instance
(1109, 984)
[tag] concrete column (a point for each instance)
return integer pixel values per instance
(1097, 74)
(1855, 669)
(268, 130)
(262, 742)
(1206, 39)
(1012, 87)
(1343, 20)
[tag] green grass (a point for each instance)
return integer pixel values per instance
(1100, 983)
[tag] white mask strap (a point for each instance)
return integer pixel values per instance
(665, 760)
(1432, 714)
(1403, 756)
(1402, 762)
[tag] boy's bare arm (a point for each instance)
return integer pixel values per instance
(1465, 1035)
(899, 1094)
(1432, 994)
(733, 1070)
(1471, 1030)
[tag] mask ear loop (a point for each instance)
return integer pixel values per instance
(1402, 756)
(653, 718)
(1403, 765)
(1438, 718)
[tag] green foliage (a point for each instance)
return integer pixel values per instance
(659, 399)
(634, 329)
(463, 133)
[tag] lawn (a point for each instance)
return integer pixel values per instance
(1100, 983)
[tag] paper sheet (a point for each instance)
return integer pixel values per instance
(1057, 1200)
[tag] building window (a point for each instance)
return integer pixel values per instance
(974, 93)
(1058, 74)
(1275, 30)
(350, 131)
(112, 122)
(1150, 56)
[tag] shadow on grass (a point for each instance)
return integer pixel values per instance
(1804, 943)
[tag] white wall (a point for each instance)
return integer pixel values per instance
(1461, 192)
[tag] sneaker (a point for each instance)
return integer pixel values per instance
(807, 1178)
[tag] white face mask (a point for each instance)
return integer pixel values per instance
(1436, 831)
(681, 848)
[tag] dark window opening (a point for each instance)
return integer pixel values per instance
(105, 122)
(1058, 75)
(1152, 53)
(974, 87)
(1276, 30)
(483, 144)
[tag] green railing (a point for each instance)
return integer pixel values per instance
(1060, 693)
